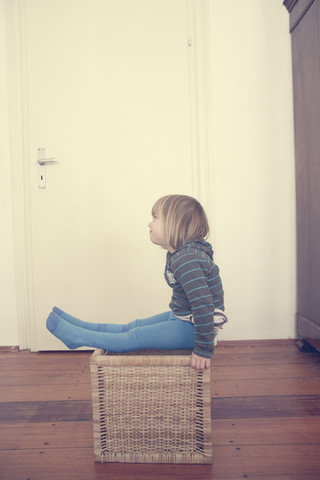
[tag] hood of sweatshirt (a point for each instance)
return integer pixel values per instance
(198, 244)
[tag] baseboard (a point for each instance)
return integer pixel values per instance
(278, 342)
(9, 348)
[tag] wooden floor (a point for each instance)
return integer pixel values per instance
(265, 411)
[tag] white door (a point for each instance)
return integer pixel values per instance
(109, 98)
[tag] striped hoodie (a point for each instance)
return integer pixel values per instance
(197, 290)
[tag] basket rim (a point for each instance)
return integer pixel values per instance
(167, 358)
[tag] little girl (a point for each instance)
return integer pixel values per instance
(180, 226)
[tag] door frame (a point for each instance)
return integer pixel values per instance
(201, 137)
(15, 20)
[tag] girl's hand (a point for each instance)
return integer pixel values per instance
(200, 363)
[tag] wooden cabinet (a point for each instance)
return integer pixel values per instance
(305, 35)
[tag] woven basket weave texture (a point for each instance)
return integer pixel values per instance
(150, 407)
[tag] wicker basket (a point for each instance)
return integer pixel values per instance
(150, 406)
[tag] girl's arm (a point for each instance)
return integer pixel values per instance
(190, 273)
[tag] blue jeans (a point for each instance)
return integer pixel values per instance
(163, 331)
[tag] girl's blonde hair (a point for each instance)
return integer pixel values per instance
(183, 218)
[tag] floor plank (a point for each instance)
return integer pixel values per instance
(27, 360)
(263, 387)
(30, 393)
(266, 407)
(257, 358)
(271, 431)
(46, 435)
(48, 411)
(222, 408)
(254, 372)
(40, 377)
(219, 388)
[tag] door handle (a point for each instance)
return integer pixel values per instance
(42, 160)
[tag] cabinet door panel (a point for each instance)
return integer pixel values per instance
(306, 75)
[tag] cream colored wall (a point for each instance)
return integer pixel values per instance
(253, 199)
(8, 312)
(254, 224)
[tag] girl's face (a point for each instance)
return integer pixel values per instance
(156, 231)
